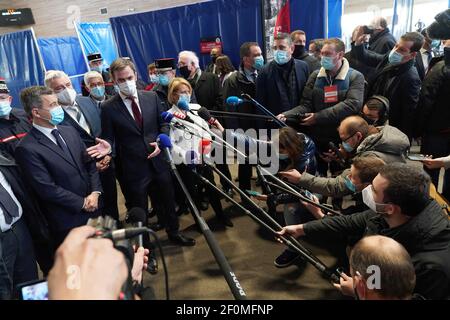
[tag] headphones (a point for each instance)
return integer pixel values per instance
(384, 113)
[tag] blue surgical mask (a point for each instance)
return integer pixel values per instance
(154, 78)
(283, 156)
(349, 184)
(98, 92)
(183, 102)
(281, 57)
(259, 63)
(347, 147)
(395, 58)
(99, 69)
(5, 108)
(57, 115)
(327, 63)
(435, 44)
(163, 80)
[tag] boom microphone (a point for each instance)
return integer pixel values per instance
(234, 101)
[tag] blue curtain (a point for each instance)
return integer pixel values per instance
(64, 54)
(98, 37)
(147, 36)
(309, 16)
(402, 17)
(334, 18)
(20, 63)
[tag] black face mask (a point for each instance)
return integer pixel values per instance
(185, 72)
(299, 51)
(213, 59)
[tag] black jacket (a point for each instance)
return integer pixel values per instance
(400, 84)
(426, 237)
(313, 63)
(383, 42)
(13, 130)
(236, 85)
(433, 111)
(208, 91)
(270, 88)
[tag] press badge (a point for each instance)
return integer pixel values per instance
(331, 94)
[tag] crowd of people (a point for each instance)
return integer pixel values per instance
(352, 117)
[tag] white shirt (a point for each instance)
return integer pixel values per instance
(127, 103)
(72, 111)
(425, 54)
(3, 225)
(47, 132)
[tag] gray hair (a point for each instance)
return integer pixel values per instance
(91, 75)
(31, 97)
(191, 56)
(53, 74)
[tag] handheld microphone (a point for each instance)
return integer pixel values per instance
(165, 144)
(182, 116)
(234, 101)
(121, 234)
(138, 217)
(205, 115)
(183, 105)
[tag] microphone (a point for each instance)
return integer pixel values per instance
(183, 105)
(205, 146)
(165, 144)
(234, 101)
(121, 234)
(138, 217)
(182, 116)
(205, 115)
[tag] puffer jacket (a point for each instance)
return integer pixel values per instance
(390, 145)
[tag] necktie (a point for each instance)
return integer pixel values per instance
(8, 205)
(61, 143)
(136, 113)
(81, 119)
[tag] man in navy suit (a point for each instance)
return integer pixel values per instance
(56, 165)
(131, 122)
(82, 114)
(280, 83)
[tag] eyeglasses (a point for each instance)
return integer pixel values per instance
(345, 140)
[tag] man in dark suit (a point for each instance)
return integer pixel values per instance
(96, 64)
(55, 163)
(131, 122)
(82, 113)
(17, 259)
(280, 83)
(14, 123)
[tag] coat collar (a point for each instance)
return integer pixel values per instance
(342, 73)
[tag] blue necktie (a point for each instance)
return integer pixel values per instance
(61, 143)
(8, 205)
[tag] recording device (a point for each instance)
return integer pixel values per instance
(440, 29)
(341, 159)
(253, 193)
(368, 30)
(138, 218)
(33, 290)
(417, 157)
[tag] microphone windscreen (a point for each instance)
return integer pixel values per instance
(204, 114)
(234, 101)
(137, 214)
(183, 105)
(164, 141)
(440, 29)
(166, 116)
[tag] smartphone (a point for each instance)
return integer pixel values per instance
(33, 290)
(253, 193)
(417, 157)
(309, 195)
(367, 30)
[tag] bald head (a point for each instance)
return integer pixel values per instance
(353, 124)
(397, 274)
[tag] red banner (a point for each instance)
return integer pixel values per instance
(283, 24)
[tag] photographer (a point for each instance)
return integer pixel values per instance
(400, 208)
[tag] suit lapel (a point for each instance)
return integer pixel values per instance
(123, 109)
(42, 139)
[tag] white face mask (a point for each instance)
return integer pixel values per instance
(67, 97)
(369, 201)
(128, 88)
